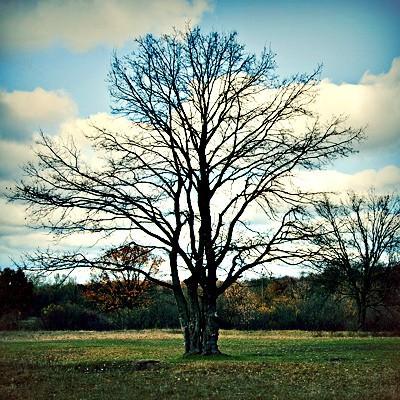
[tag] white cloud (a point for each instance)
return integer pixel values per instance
(82, 25)
(374, 102)
(12, 215)
(15, 153)
(79, 128)
(15, 237)
(386, 179)
(22, 113)
(13, 156)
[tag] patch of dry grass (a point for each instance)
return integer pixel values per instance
(88, 335)
(160, 334)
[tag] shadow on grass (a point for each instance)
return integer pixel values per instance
(209, 359)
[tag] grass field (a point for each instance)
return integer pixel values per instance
(257, 365)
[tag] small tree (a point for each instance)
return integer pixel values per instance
(240, 306)
(215, 138)
(16, 293)
(357, 243)
(121, 282)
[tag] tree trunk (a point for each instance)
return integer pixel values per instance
(362, 317)
(201, 329)
(201, 335)
(193, 337)
(211, 330)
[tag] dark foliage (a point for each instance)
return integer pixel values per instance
(72, 316)
(272, 303)
(16, 294)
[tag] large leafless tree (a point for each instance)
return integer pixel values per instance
(356, 243)
(202, 176)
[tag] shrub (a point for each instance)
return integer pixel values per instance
(31, 324)
(9, 320)
(73, 316)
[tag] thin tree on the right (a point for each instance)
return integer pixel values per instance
(356, 246)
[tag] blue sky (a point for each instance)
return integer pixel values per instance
(348, 37)
(55, 55)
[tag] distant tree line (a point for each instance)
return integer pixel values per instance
(308, 302)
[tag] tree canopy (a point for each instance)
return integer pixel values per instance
(202, 176)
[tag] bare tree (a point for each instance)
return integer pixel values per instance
(357, 244)
(213, 145)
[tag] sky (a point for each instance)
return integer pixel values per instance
(55, 55)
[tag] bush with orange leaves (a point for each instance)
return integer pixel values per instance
(122, 279)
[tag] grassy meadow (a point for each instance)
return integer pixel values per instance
(256, 365)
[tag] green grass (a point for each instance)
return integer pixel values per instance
(257, 365)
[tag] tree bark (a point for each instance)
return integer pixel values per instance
(201, 335)
(193, 342)
(201, 330)
(211, 328)
(361, 311)
(362, 317)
